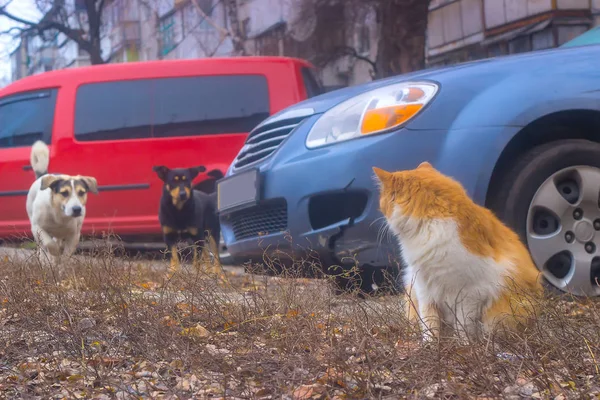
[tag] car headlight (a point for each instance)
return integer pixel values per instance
(375, 111)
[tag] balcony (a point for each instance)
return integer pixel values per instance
(125, 33)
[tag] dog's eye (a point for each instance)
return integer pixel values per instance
(183, 178)
(81, 193)
(64, 194)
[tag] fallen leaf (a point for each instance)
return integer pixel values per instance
(196, 331)
(305, 392)
(75, 377)
(106, 361)
(168, 321)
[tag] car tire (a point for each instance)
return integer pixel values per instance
(523, 191)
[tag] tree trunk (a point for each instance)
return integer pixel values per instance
(403, 25)
(237, 36)
(95, 56)
(94, 13)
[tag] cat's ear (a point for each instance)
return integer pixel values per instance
(425, 164)
(382, 175)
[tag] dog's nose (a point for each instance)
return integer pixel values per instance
(76, 211)
(182, 195)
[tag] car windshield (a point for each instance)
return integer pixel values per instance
(590, 37)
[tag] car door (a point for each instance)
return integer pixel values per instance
(24, 118)
(109, 137)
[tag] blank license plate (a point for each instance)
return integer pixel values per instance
(240, 190)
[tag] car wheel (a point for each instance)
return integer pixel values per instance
(551, 198)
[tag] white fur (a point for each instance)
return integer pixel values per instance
(55, 231)
(39, 158)
(444, 273)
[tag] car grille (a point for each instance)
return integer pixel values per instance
(264, 140)
(260, 220)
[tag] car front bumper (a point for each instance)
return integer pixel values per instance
(324, 203)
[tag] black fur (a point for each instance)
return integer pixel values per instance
(199, 211)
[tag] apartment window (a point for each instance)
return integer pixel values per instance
(194, 20)
(26, 117)
(519, 45)
(542, 40)
(117, 12)
(496, 50)
(568, 32)
(169, 107)
(167, 34)
(270, 43)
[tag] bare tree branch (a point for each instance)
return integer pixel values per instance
(210, 21)
(49, 22)
(351, 51)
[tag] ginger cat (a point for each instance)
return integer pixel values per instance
(465, 270)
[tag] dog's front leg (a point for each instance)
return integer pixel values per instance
(45, 241)
(212, 245)
(171, 242)
(70, 245)
(215, 242)
(197, 242)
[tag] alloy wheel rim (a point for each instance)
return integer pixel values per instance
(563, 230)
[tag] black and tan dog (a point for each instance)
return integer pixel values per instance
(186, 214)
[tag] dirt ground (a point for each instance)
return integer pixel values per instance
(101, 326)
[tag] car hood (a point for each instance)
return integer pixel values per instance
(499, 67)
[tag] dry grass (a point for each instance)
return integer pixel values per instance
(107, 327)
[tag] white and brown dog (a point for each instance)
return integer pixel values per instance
(56, 205)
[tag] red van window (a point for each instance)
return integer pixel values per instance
(311, 83)
(114, 110)
(168, 107)
(26, 117)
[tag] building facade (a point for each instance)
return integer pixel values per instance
(341, 41)
(463, 30)
(165, 29)
(331, 37)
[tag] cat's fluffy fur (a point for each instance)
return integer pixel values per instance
(465, 270)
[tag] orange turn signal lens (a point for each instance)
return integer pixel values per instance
(413, 94)
(380, 119)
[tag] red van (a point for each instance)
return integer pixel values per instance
(116, 121)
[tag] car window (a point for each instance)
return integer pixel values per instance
(311, 83)
(209, 105)
(114, 110)
(169, 107)
(27, 117)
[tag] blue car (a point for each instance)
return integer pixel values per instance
(521, 133)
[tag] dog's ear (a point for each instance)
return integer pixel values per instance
(215, 174)
(50, 181)
(161, 171)
(194, 171)
(91, 183)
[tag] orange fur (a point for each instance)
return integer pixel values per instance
(424, 195)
